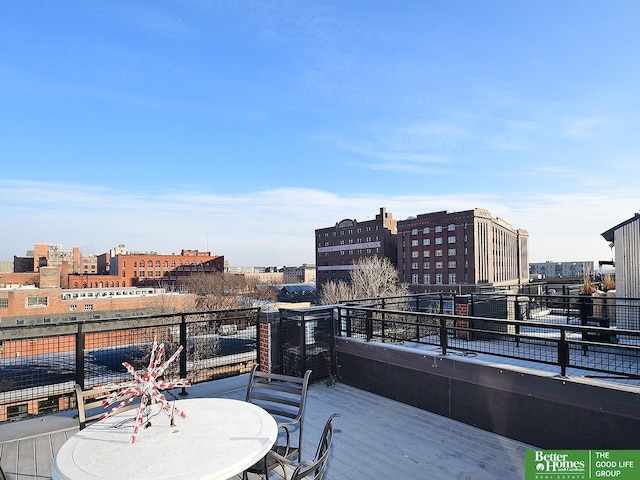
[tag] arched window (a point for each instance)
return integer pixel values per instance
(165, 264)
(173, 264)
(135, 264)
(157, 263)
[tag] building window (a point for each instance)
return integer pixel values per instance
(88, 306)
(439, 264)
(439, 241)
(37, 301)
(438, 253)
(4, 303)
(451, 239)
(451, 227)
(414, 254)
(438, 229)
(439, 278)
(452, 264)
(46, 320)
(426, 253)
(452, 278)
(427, 278)
(414, 266)
(426, 241)
(426, 265)
(414, 278)
(426, 230)
(414, 243)
(17, 411)
(414, 231)
(452, 251)
(73, 308)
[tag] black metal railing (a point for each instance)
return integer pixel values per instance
(594, 350)
(40, 364)
(305, 342)
(612, 311)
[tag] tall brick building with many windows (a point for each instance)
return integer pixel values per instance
(338, 246)
(461, 251)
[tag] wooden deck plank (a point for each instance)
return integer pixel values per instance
(392, 440)
(9, 459)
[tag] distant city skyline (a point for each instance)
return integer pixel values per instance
(240, 128)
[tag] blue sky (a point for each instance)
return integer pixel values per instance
(241, 127)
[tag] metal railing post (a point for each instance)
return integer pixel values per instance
(444, 339)
(563, 352)
(369, 326)
(303, 346)
(183, 353)
(80, 356)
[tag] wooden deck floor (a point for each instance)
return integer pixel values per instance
(375, 438)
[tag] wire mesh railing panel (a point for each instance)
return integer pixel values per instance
(106, 352)
(605, 360)
(34, 373)
(306, 342)
(38, 368)
(548, 340)
(220, 345)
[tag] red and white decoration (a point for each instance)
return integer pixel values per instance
(147, 385)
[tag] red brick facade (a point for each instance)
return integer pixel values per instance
(339, 246)
(151, 269)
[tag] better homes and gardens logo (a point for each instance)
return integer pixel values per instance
(582, 464)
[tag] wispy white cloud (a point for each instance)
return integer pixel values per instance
(420, 148)
(276, 227)
(581, 127)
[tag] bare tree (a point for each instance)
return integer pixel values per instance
(225, 290)
(371, 277)
(334, 292)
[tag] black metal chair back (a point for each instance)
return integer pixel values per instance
(284, 397)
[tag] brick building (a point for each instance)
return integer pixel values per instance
(460, 252)
(43, 306)
(561, 269)
(302, 274)
(338, 246)
(153, 269)
(55, 256)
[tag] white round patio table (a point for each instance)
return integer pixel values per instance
(219, 438)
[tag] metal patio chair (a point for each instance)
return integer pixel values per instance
(308, 469)
(284, 397)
